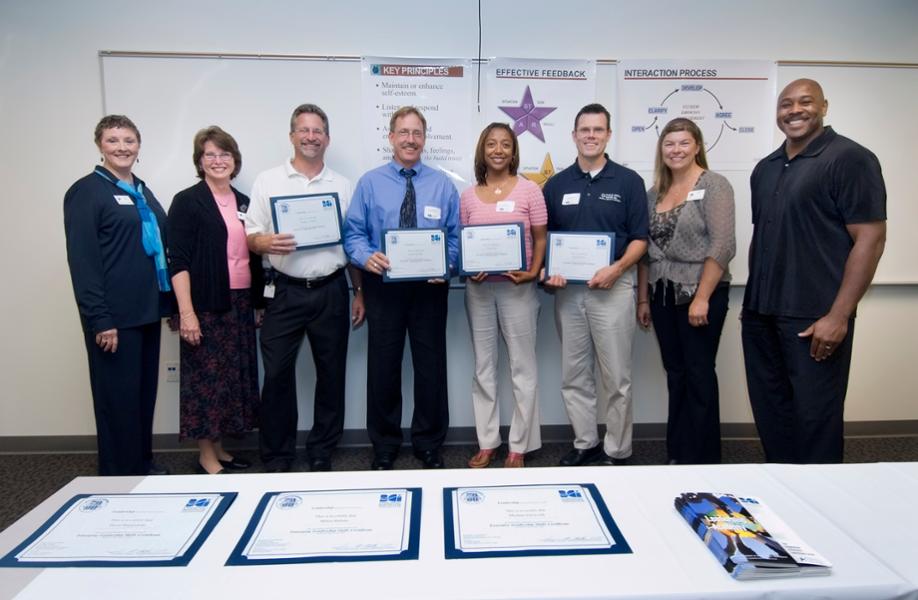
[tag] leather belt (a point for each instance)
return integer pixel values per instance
(313, 283)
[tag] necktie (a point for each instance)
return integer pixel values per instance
(407, 215)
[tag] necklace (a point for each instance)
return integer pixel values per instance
(499, 188)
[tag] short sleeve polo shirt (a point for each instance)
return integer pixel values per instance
(614, 200)
(800, 210)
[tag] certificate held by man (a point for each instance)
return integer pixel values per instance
(313, 219)
(491, 249)
(577, 256)
(415, 254)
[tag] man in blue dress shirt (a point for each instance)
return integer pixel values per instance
(404, 194)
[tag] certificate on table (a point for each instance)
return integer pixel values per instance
(123, 530)
(577, 256)
(415, 254)
(491, 248)
(332, 526)
(529, 520)
(313, 219)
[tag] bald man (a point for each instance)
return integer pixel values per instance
(819, 228)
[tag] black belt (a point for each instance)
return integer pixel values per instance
(313, 283)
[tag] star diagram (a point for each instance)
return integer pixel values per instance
(547, 170)
(527, 115)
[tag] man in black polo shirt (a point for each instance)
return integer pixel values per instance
(819, 228)
(596, 322)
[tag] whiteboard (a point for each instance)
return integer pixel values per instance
(170, 97)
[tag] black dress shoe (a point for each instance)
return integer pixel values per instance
(200, 470)
(155, 469)
(383, 461)
(235, 464)
(577, 458)
(320, 463)
(431, 459)
(278, 466)
(613, 462)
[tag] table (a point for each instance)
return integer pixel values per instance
(856, 515)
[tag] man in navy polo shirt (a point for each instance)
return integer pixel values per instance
(596, 321)
(819, 228)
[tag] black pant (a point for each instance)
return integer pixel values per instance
(689, 355)
(798, 403)
(322, 315)
(393, 309)
(123, 396)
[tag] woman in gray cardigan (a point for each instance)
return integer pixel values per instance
(683, 286)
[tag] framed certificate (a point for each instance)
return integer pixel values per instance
(123, 530)
(332, 526)
(491, 248)
(313, 219)
(528, 520)
(577, 256)
(415, 254)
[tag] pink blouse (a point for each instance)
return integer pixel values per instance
(237, 251)
(524, 204)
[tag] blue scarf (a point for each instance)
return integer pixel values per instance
(152, 241)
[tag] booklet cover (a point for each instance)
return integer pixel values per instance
(734, 530)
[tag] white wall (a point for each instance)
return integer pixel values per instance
(50, 100)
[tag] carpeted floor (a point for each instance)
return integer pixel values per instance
(27, 479)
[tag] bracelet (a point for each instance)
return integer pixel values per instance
(358, 289)
(643, 302)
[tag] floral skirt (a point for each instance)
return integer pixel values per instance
(218, 393)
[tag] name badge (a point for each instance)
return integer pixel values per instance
(269, 290)
(240, 215)
(506, 206)
(124, 200)
(432, 212)
(695, 195)
(570, 199)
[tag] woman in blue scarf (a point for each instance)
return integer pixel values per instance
(116, 232)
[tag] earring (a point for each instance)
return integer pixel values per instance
(101, 159)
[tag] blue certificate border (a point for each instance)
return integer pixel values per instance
(226, 499)
(237, 558)
(426, 277)
(449, 537)
(522, 237)
(548, 245)
(274, 200)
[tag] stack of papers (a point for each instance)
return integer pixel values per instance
(734, 529)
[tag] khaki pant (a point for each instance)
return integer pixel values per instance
(596, 328)
(503, 309)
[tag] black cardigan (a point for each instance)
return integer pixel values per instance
(197, 244)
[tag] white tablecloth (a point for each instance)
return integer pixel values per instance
(857, 516)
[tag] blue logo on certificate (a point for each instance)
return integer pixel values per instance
(559, 242)
(570, 495)
(284, 208)
(390, 500)
(511, 232)
(93, 504)
(472, 497)
(196, 504)
(327, 204)
(435, 237)
(601, 243)
(288, 501)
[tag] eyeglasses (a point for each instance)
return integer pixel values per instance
(307, 131)
(211, 157)
(409, 133)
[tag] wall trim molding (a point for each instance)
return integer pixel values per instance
(165, 442)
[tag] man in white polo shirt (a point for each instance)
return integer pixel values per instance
(310, 298)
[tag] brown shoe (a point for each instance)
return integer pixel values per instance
(515, 460)
(482, 459)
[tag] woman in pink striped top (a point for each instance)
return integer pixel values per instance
(505, 303)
